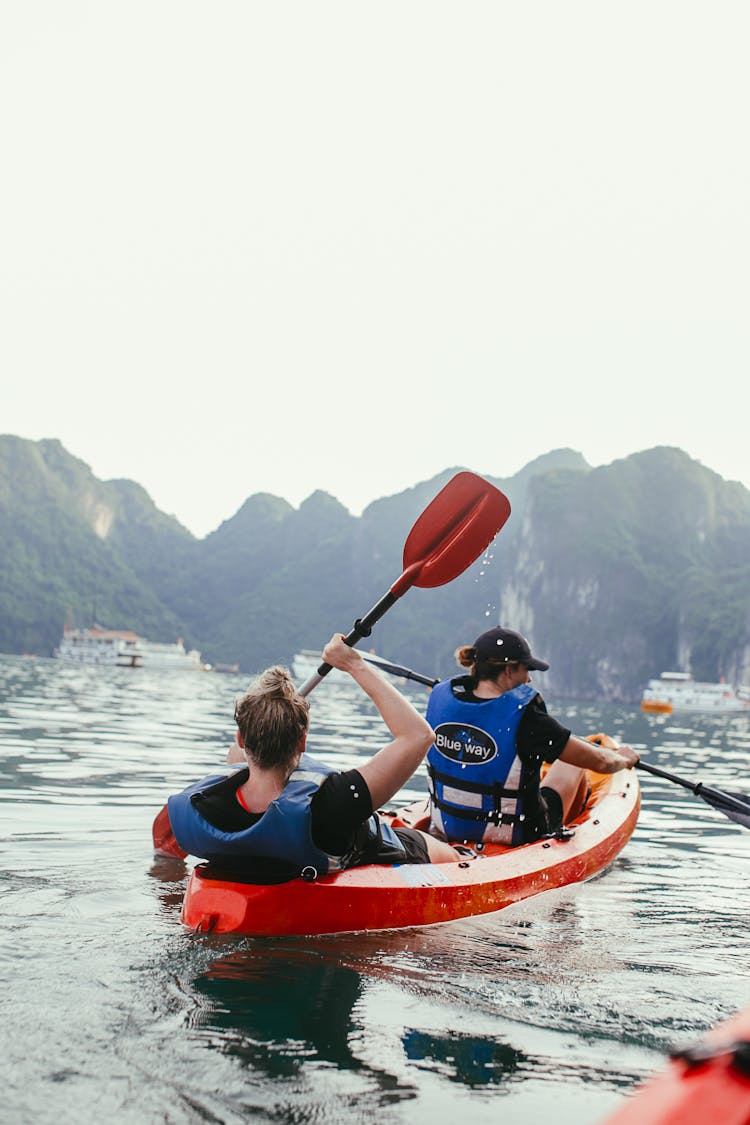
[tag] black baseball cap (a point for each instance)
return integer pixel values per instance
(506, 646)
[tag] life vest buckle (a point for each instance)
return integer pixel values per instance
(562, 834)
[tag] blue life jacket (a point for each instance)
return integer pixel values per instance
(283, 832)
(473, 766)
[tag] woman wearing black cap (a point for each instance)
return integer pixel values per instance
(492, 734)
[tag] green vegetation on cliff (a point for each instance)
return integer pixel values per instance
(635, 568)
(63, 555)
(614, 573)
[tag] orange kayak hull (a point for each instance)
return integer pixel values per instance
(697, 1090)
(377, 897)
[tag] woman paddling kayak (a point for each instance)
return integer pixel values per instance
(492, 734)
(285, 808)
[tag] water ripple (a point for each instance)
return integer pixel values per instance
(557, 1005)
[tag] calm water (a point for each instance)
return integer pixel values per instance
(557, 1006)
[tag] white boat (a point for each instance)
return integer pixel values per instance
(162, 656)
(306, 663)
(119, 647)
(678, 691)
(125, 649)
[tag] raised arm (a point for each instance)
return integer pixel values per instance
(392, 766)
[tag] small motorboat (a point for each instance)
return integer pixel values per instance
(678, 691)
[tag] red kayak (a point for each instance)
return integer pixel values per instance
(706, 1084)
(377, 897)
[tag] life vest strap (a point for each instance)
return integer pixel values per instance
(495, 791)
(488, 816)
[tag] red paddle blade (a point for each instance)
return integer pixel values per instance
(452, 532)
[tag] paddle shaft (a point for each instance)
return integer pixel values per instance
(399, 670)
(698, 788)
(362, 628)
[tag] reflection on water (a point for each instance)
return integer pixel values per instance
(463, 1058)
(558, 1005)
(275, 1012)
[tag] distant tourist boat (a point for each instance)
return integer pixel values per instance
(157, 655)
(678, 691)
(125, 649)
(306, 663)
(119, 647)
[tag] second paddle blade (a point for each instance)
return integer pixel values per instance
(734, 805)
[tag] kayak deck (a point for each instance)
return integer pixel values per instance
(376, 897)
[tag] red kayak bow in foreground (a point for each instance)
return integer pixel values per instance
(707, 1083)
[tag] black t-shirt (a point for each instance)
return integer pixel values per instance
(540, 733)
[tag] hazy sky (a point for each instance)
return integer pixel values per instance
(287, 246)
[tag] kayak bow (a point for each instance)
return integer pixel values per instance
(376, 897)
(704, 1083)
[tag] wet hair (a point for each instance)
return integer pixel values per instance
(272, 717)
(466, 656)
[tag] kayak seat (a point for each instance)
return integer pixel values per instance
(416, 815)
(599, 783)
